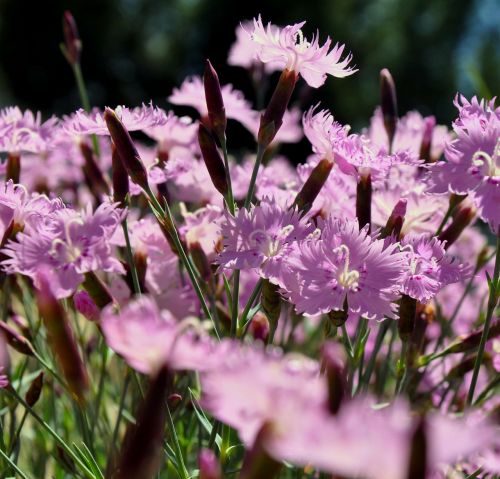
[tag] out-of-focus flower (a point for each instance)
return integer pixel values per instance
(288, 48)
(67, 244)
(85, 305)
(430, 268)
(261, 238)
(344, 265)
(473, 158)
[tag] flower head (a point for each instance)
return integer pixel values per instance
(288, 48)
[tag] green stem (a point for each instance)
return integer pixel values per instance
(253, 179)
(14, 466)
(230, 197)
(130, 258)
(376, 348)
(235, 303)
(120, 409)
(100, 388)
(225, 444)
(182, 471)
(15, 438)
(255, 293)
(492, 302)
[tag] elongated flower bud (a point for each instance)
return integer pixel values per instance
(215, 103)
(93, 174)
(389, 104)
(461, 220)
(141, 266)
(85, 305)
(259, 327)
(13, 168)
(200, 260)
(364, 201)
(425, 147)
(119, 178)
(311, 188)
(15, 339)
(209, 465)
(465, 366)
(127, 151)
(213, 159)
(407, 314)
(417, 464)
(257, 463)
(271, 304)
(97, 290)
(141, 453)
(72, 42)
(35, 390)
(395, 221)
(22, 325)
(272, 119)
(333, 361)
(61, 339)
(472, 340)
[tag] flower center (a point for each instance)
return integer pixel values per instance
(66, 247)
(348, 278)
(269, 244)
(492, 162)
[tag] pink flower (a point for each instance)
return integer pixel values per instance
(261, 238)
(4, 380)
(473, 158)
(66, 245)
(344, 264)
(288, 48)
(85, 305)
(147, 338)
(139, 118)
(430, 268)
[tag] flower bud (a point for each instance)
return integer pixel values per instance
(395, 221)
(72, 42)
(471, 341)
(22, 325)
(141, 452)
(141, 266)
(16, 340)
(407, 315)
(417, 464)
(200, 260)
(333, 362)
(174, 400)
(13, 168)
(271, 304)
(213, 159)
(215, 104)
(388, 103)
(338, 317)
(61, 339)
(93, 174)
(364, 201)
(97, 290)
(311, 188)
(126, 150)
(259, 327)
(119, 178)
(35, 390)
(425, 147)
(85, 305)
(461, 220)
(209, 465)
(272, 119)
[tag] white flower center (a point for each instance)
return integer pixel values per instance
(270, 245)
(492, 162)
(70, 251)
(348, 278)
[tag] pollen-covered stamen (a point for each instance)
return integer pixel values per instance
(348, 278)
(269, 244)
(67, 247)
(301, 45)
(492, 162)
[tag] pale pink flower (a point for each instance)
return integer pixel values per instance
(288, 48)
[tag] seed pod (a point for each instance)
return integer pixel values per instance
(119, 178)
(389, 104)
(272, 119)
(93, 175)
(212, 159)
(35, 390)
(407, 314)
(209, 465)
(417, 464)
(395, 221)
(61, 339)
(126, 149)
(364, 201)
(16, 340)
(333, 362)
(141, 452)
(72, 42)
(215, 104)
(311, 188)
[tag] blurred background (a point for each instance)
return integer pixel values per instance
(137, 50)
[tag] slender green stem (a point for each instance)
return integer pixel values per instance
(226, 440)
(181, 470)
(100, 387)
(15, 438)
(14, 465)
(347, 342)
(120, 409)
(402, 369)
(213, 433)
(445, 219)
(130, 258)
(253, 179)
(492, 303)
(236, 303)
(230, 197)
(376, 348)
(255, 293)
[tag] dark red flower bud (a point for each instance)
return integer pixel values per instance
(271, 304)
(388, 103)
(93, 175)
(200, 260)
(126, 149)
(213, 159)
(72, 42)
(461, 220)
(215, 103)
(120, 178)
(395, 221)
(364, 201)
(13, 168)
(425, 147)
(407, 315)
(259, 327)
(333, 361)
(15, 339)
(311, 188)
(35, 390)
(97, 290)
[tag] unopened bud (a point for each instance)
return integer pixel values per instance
(465, 366)
(141, 266)
(259, 327)
(119, 178)
(272, 119)
(333, 361)
(126, 149)
(213, 159)
(85, 305)
(215, 103)
(311, 188)
(417, 464)
(407, 315)
(209, 465)
(200, 260)
(61, 339)
(364, 201)
(395, 221)
(13, 168)
(174, 400)
(35, 390)
(338, 317)
(72, 42)
(97, 290)
(271, 304)
(425, 147)
(471, 341)
(389, 104)
(461, 220)
(15, 339)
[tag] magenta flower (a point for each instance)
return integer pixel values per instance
(344, 264)
(473, 158)
(147, 338)
(261, 238)
(66, 245)
(288, 48)
(430, 268)
(139, 118)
